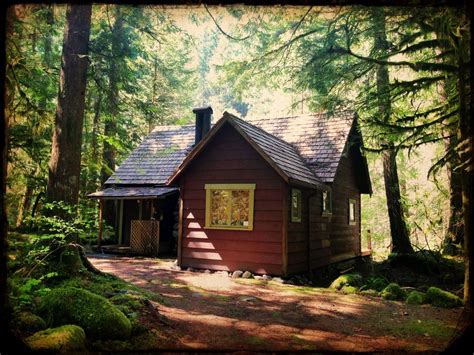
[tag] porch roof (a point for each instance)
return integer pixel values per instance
(132, 192)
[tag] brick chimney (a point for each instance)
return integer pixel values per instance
(203, 122)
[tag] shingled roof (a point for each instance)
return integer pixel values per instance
(319, 138)
(306, 148)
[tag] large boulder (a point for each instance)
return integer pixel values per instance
(347, 280)
(439, 298)
(99, 318)
(64, 339)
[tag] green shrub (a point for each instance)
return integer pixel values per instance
(393, 292)
(416, 297)
(28, 322)
(96, 315)
(440, 298)
(347, 280)
(62, 339)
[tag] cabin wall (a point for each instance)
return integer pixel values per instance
(319, 240)
(345, 238)
(308, 240)
(230, 159)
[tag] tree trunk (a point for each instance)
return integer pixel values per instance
(398, 228)
(65, 162)
(467, 171)
(110, 128)
(454, 237)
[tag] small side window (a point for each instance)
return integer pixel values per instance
(327, 202)
(295, 205)
(352, 209)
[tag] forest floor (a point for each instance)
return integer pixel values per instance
(213, 312)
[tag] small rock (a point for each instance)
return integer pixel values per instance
(266, 277)
(426, 335)
(278, 279)
(207, 271)
(191, 269)
(155, 282)
(287, 282)
(236, 274)
(175, 268)
(222, 273)
(247, 275)
(196, 295)
(405, 313)
(258, 277)
(247, 298)
(122, 291)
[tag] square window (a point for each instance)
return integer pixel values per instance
(229, 206)
(295, 205)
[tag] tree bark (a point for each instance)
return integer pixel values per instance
(110, 127)
(467, 171)
(398, 228)
(65, 162)
(454, 236)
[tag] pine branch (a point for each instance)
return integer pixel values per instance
(416, 66)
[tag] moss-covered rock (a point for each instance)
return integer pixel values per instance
(369, 292)
(393, 292)
(28, 322)
(349, 289)
(376, 283)
(99, 318)
(63, 339)
(347, 280)
(416, 297)
(439, 298)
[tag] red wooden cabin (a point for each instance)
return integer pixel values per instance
(277, 196)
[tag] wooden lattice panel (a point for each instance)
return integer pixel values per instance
(145, 237)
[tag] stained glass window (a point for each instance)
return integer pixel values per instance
(229, 206)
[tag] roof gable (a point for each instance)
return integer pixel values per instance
(281, 156)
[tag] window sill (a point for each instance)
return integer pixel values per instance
(326, 214)
(230, 228)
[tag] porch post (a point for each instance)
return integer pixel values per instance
(120, 221)
(101, 207)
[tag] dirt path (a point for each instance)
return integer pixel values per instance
(211, 311)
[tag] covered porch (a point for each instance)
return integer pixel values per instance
(137, 220)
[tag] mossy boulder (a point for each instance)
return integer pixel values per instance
(99, 318)
(416, 297)
(369, 292)
(64, 339)
(440, 298)
(376, 283)
(349, 289)
(393, 292)
(347, 280)
(28, 322)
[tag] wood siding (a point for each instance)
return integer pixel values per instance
(320, 239)
(345, 238)
(230, 159)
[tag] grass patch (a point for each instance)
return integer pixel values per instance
(434, 328)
